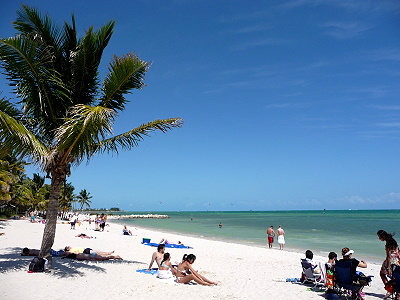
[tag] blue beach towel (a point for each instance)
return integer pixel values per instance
(168, 245)
(145, 271)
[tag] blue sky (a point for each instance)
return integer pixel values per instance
(287, 104)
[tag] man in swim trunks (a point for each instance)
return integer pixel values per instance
(157, 256)
(281, 237)
(271, 234)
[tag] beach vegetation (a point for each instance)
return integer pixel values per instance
(83, 199)
(64, 112)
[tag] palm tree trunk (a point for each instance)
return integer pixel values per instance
(51, 217)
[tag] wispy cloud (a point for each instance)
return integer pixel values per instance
(384, 55)
(389, 198)
(385, 107)
(351, 5)
(259, 42)
(345, 30)
(287, 105)
(389, 125)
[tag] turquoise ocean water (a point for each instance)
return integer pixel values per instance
(319, 231)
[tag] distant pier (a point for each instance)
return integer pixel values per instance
(148, 216)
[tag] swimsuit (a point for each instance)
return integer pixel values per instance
(93, 254)
(281, 239)
(270, 238)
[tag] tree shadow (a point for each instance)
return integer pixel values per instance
(62, 267)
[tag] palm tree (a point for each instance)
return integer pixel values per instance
(83, 198)
(66, 115)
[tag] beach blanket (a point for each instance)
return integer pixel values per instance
(146, 271)
(168, 245)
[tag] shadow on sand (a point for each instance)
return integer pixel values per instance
(62, 267)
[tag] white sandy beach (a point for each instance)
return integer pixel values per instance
(243, 272)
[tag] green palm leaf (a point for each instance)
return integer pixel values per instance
(130, 139)
(125, 73)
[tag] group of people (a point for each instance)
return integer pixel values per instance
(183, 272)
(100, 222)
(392, 258)
(280, 234)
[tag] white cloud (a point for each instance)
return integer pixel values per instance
(345, 30)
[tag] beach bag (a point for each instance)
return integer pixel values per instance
(364, 280)
(37, 264)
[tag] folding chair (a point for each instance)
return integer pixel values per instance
(396, 285)
(310, 277)
(345, 281)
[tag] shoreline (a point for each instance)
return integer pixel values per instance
(264, 245)
(242, 271)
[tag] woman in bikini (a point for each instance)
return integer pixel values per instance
(166, 270)
(185, 267)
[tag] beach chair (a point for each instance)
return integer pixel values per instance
(396, 284)
(345, 283)
(310, 277)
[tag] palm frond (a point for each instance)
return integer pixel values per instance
(85, 127)
(130, 139)
(28, 67)
(16, 138)
(31, 23)
(125, 73)
(85, 62)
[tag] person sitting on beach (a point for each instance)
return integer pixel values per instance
(165, 270)
(78, 250)
(185, 267)
(315, 265)
(361, 279)
(35, 252)
(92, 256)
(126, 231)
(330, 266)
(332, 258)
(347, 256)
(157, 256)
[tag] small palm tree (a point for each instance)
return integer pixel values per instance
(66, 115)
(83, 198)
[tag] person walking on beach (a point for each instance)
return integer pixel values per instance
(392, 256)
(281, 237)
(271, 234)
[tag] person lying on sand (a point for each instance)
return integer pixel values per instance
(84, 236)
(166, 270)
(35, 252)
(78, 250)
(92, 256)
(185, 267)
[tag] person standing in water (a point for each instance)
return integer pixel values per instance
(271, 234)
(281, 237)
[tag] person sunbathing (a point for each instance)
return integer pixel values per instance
(78, 250)
(92, 256)
(35, 252)
(185, 267)
(84, 236)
